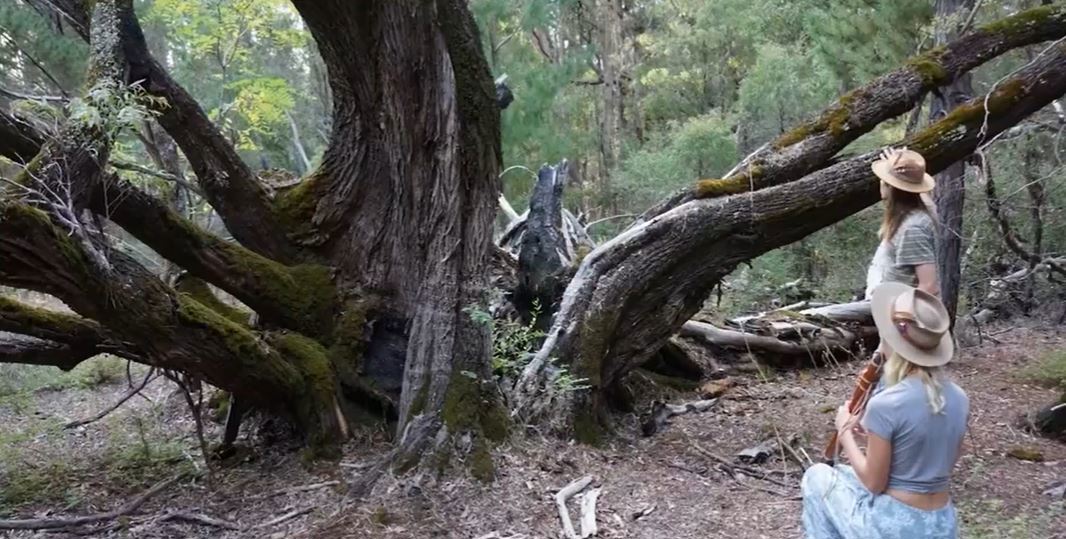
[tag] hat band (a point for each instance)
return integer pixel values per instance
(914, 334)
(909, 174)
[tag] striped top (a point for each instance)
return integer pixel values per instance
(913, 244)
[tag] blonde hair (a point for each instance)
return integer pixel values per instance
(897, 368)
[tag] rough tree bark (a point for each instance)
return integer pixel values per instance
(950, 192)
(363, 277)
(632, 293)
(612, 54)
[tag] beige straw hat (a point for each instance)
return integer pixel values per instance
(914, 323)
(905, 170)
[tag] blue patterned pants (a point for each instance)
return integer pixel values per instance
(836, 505)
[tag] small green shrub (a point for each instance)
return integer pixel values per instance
(1049, 370)
(97, 372)
(514, 343)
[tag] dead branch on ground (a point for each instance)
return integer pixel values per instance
(58, 523)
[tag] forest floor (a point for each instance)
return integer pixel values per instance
(676, 489)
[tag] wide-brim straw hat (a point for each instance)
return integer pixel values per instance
(904, 170)
(914, 323)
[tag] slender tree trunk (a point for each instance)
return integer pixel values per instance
(1034, 184)
(612, 55)
(950, 193)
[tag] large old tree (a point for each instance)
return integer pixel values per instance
(364, 279)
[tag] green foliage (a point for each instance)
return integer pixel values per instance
(22, 379)
(1050, 369)
(26, 34)
(861, 39)
(245, 61)
(786, 86)
(513, 344)
(699, 147)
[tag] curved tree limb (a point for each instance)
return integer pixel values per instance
(174, 331)
(810, 145)
(295, 297)
(229, 185)
(33, 351)
(39, 250)
(16, 317)
(636, 290)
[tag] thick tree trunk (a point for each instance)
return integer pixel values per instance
(404, 201)
(950, 193)
(632, 293)
(392, 235)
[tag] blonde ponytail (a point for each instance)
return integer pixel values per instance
(897, 368)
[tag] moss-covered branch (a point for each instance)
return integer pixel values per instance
(810, 145)
(171, 329)
(17, 317)
(34, 351)
(227, 182)
(59, 339)
(299, 297)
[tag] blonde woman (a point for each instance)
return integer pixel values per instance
(907, 251)
(898, 486)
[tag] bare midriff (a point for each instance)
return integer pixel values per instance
(919, 500)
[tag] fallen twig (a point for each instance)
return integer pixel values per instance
(53, 523)
(730, 467)
(129, 395)
(287, 516)
(787, 448)
(560, 501)
(199, 519)
(294, 490)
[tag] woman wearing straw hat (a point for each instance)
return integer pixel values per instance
(907, 252)
(899, 485)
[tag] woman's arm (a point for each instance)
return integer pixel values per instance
(927, 278)
(871, 467)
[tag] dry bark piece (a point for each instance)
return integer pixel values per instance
(569, 491)
(588, 513)
(757, 454)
